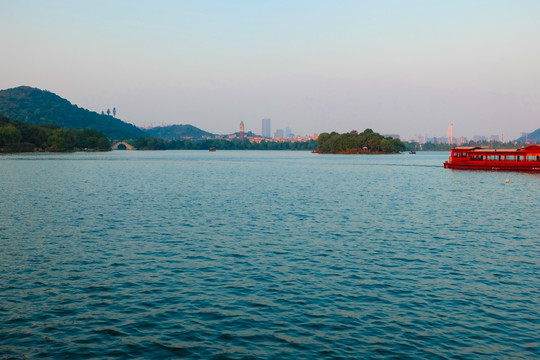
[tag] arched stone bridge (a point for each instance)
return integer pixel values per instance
(122, 146)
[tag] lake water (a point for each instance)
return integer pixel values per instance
(266, 255)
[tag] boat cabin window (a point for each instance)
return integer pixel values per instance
(463, 154)
(456, 154)
(510, 158)
(495, 158)
(533, 158)
(520, 158)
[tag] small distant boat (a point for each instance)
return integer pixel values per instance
(412, 152)
(212, 149)
(315, 151)
(526, 158)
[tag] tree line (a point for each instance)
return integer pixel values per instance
(153, 143)
(16, 136)
(358, 143)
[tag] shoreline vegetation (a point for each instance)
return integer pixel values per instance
(33, 120)
(152, 143)
(16, 136)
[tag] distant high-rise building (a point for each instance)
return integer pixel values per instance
(279, 134)
(288, 132)
(450, 134)
(241, 136)
(266, 128)
(419, 139)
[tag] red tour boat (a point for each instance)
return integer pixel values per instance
(526, 158)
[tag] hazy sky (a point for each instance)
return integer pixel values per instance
(400, 67)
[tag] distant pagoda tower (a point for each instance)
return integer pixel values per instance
(241, 130)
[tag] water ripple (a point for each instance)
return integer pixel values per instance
(251, 255)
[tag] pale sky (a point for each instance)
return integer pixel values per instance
(397, 67)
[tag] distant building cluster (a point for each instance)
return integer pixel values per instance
(453, 140)
(450, 139)
(280, 135)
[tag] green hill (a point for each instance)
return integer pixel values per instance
(179, 132)
(534, 135)
(38, 107)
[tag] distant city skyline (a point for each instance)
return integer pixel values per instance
(286, 132)
(395, 67)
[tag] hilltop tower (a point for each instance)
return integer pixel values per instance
(241, 130)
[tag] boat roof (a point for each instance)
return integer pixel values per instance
(527, 148)
(533, 147)
(466, 148)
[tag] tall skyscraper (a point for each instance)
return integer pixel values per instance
(241, 136)
(288, 132)
(266, 128)
(450, 134)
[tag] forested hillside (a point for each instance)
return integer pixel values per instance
(38, 107)
(179, 132)
(535, 135)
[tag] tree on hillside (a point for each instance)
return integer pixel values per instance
(108, 112)
(114, 112)
(9, 134)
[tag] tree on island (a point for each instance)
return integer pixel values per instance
(114, 112)
(358, 143)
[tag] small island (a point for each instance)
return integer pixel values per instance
(366, 142)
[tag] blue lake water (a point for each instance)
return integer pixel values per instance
(266, 255)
